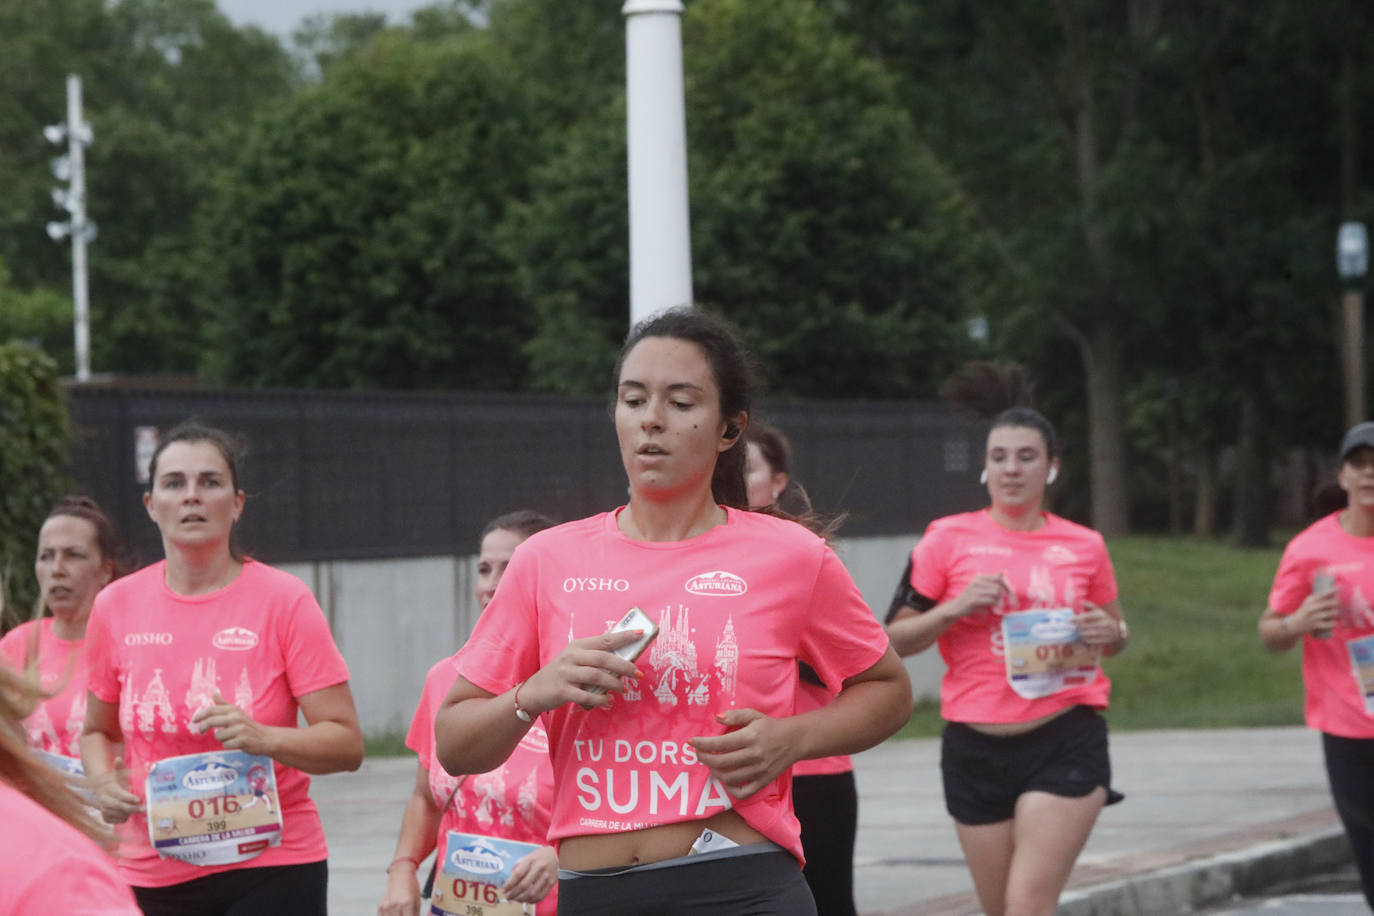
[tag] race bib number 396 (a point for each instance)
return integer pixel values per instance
(472, 874)
(215, 808)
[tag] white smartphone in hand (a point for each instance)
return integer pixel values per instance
(634, 619)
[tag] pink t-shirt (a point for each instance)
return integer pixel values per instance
(1335, 704)
(511, 802)
(1060, 564)
(55, 726)
(736, 606)
(814, 696)
(262, 641)
(48, 866)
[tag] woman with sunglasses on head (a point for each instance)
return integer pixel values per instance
(1321, 599)
(1023, 604)
(672, 791)
(201, 665)
(511, 802)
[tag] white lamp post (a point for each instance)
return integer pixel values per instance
(656, 143)
(72, 169)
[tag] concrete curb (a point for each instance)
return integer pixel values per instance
(1209, 882)
(1189, 876)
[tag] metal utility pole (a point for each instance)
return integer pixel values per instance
(1352, 263)
(72, 169)
(656, 141)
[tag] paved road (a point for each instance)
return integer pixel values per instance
(1235, 805)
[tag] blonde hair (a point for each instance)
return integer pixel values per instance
(22, 769)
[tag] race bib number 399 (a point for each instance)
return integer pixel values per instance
(1045, 654)
(213, 809)
(471, 876)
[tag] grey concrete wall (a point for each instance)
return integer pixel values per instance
(393, 619)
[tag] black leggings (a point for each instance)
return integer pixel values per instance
(270, 890)
(828, 808)
(1350, 770)
(766, 884)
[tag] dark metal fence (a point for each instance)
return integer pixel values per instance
(340, 475)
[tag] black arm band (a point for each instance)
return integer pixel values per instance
(906, 596)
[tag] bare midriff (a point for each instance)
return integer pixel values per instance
(652, 844)
(1006, 729)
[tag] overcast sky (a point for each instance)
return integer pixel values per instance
(282, 16)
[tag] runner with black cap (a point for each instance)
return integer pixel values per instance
(1321, 598)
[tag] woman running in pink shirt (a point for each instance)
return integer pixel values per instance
(78, 555)
(1321, 599)
(1022, 603)
(512, 803)
(824, 795)
(672, 789)
(201, 665)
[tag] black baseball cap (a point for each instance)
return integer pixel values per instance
(1361, 435)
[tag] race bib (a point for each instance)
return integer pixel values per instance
(215, 808)
(1362, 664)
(472, 874)
(67, 766)
(1045, 654)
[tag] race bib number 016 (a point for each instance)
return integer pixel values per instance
(213, 809)
(472, 874)
(1045, 654)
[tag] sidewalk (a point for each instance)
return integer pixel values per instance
(1207, 814)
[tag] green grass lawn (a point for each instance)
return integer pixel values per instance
(1195, 660)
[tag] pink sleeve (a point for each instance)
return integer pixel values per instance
(1293, 581)
(1102, 588)
(13, 646)
(503, 649)
(313, 661)
(842, 637)
(930, 565)
(79, 885)
(102, 680)
(420, 738)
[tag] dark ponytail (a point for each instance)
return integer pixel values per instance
(1001, 393)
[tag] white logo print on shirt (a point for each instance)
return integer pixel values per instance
(719, 584)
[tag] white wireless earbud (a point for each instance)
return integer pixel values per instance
(983, 477)
(1054, 475)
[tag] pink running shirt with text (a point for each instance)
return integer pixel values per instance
(261, 641)
(737, 607)
(48, 866)
(1060, 564)
(55, 726)
(1334, 701)
(511, 802)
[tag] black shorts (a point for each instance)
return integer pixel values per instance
(764, 884)
(271, 890)
(984, 775)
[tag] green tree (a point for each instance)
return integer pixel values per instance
(34, 432)
(355, 233)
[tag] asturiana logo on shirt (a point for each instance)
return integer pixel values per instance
(1059, 554)
(998, 550)
(210, 776)
(235, 639)
(147, 639)
(477, 859)
(720, 583)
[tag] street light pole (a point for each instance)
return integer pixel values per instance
(656, 146)
(72, 168)
(1352, 263)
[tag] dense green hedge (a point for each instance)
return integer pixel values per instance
(34, 432)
